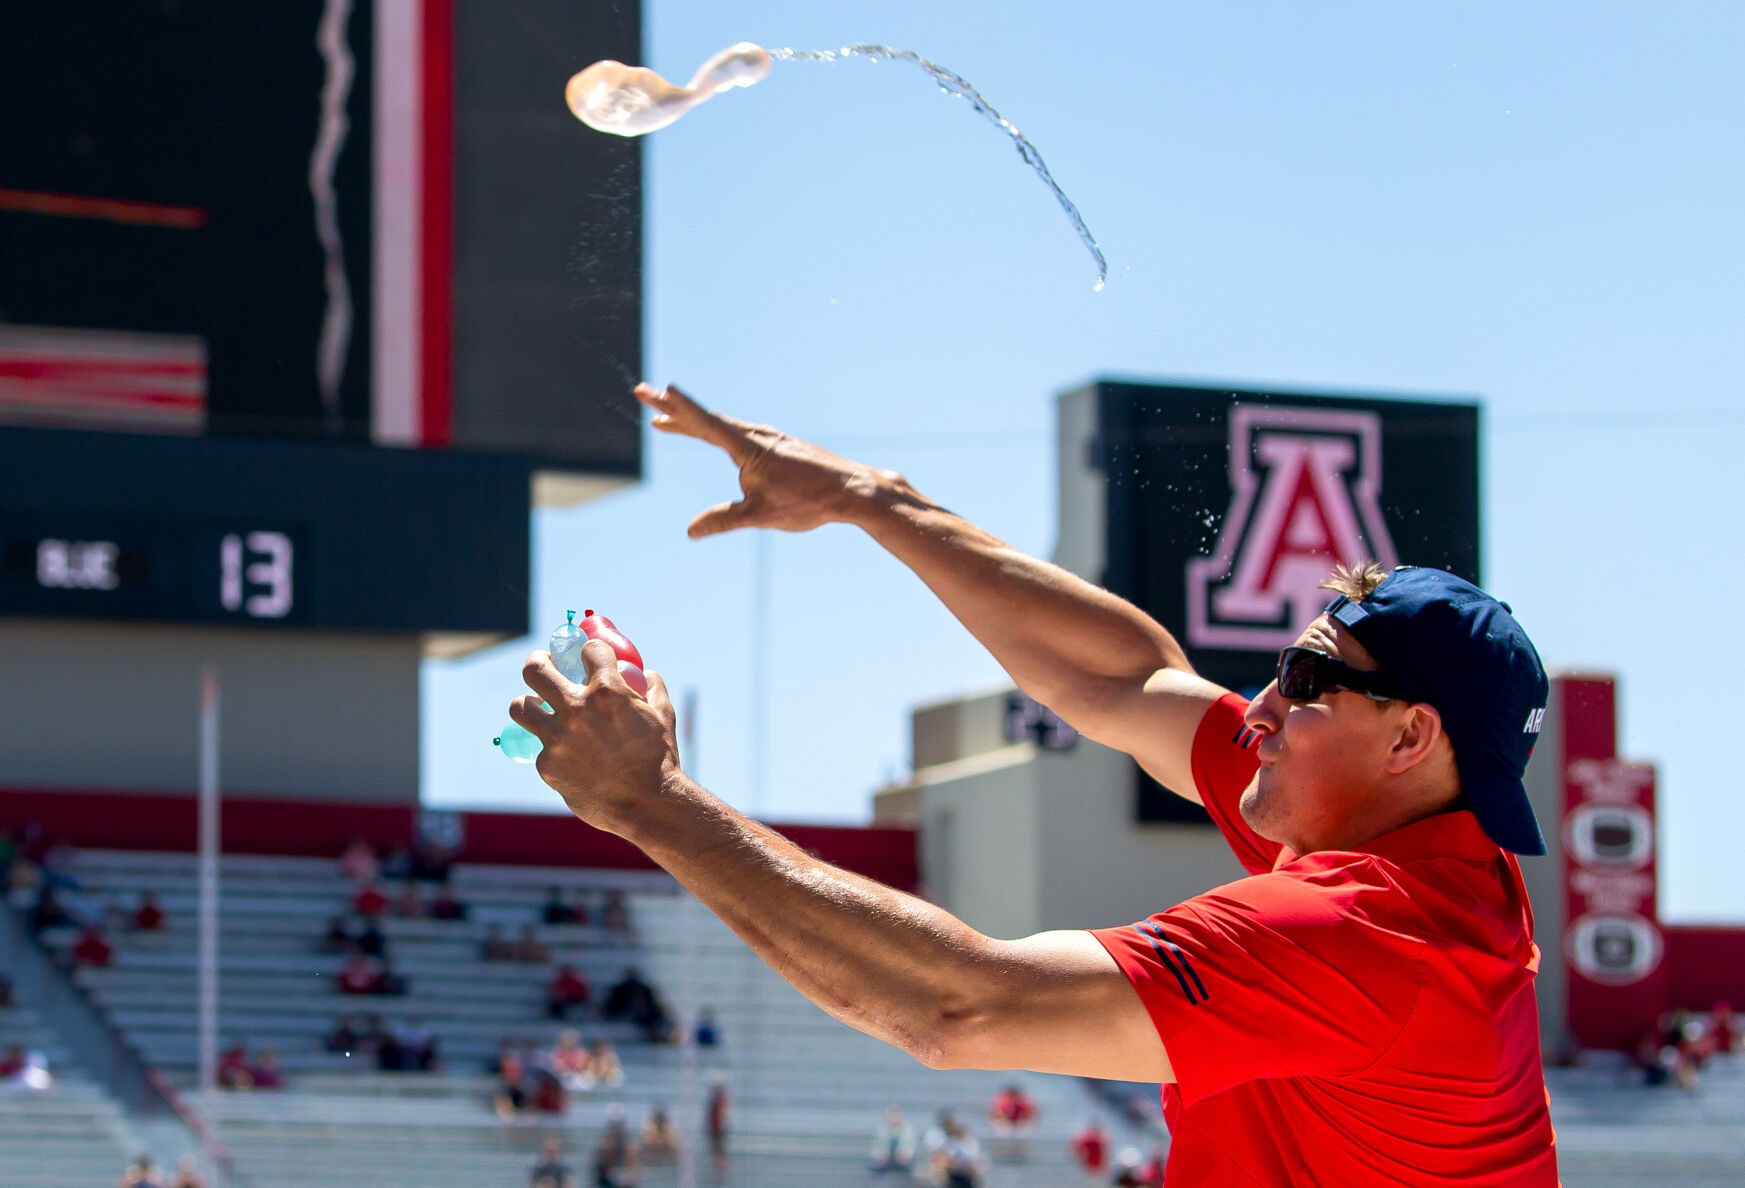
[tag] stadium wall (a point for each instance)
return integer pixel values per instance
(165, 821)
(116, 706)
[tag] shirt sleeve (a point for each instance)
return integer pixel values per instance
(1274, 975)
(1223, 763)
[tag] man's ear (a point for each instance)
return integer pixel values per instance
(1419, 731)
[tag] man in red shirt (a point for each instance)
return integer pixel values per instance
(1359, 1010)
(149, 917)
(1090, 1147)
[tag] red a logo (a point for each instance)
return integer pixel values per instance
(1306, 486)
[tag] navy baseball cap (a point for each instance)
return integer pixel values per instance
(1446, 642)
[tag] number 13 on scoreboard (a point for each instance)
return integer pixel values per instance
(255, 574)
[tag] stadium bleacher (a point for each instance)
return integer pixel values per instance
(807, 1091)
(68, 1136)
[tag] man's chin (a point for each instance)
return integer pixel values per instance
(1255, 807)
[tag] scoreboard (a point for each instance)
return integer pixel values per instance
(298, 301)
(262, 533)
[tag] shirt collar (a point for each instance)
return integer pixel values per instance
(1442, 835)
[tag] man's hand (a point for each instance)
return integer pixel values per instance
(788, 484)
(605, 750)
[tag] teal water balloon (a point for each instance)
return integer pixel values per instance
(565, 646)
(518, 744)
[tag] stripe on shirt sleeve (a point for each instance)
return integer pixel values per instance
(1182, 957)
(1168, 964)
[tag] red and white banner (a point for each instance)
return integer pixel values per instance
(1613, 945)
(99, 379)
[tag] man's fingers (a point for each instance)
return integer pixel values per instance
(532, 716)
(600, 662)
(657, 696)
(723, 517)
(544, 679)
(676, 412)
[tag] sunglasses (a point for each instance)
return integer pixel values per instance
(1304, 674)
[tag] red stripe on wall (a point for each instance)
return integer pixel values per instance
(436, 281)
(165, 821)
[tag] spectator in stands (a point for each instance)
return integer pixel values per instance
(1090, 1149)
(660, 1140)
(615, 915)
(93, 949)
(567, 991)
(530, 949)
(615, 1155)
(1127, 1169)
(398, 863)
(369, 901)
(1724, 1028)
(409, 905)
(580, 913)
(12, 1062)
(893, 1145)
(187, 1174)
(414, 1046)
(717, 1110)
(371, 941)
(630, 998)
(56, 861)
(8, 851)
(25, 877)
(345, 1038)
(29, 1071)
(47, 911)
(1647, 1057)
(266, 1072)
(550, 1169)
(340, 936)
(1151, 1171)
(546, 1092)
(569, 1060)
(447, 905)
(604, 1067)
(1013, 1116)
(6, 993)
(360, 974)
(708, 1035)
(141, 1173)
(431, 862)
(392, 982)
(233, 1067)
(957, 1161)
(358, 862)
(495, 948)
(148, 917)
(511, 1095)
(555, 910)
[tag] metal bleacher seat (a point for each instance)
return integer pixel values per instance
(70, 1135)
(807, 1091)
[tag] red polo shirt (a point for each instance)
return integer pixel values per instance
(1345, 1017)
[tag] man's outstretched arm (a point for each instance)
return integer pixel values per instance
(1097, 660)
(886, 963)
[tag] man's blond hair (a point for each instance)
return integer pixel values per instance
(1357, 582)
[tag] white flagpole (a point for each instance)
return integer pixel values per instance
(208, 982)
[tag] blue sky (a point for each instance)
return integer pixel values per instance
(1534, 206)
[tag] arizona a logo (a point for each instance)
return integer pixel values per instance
(1305, 486)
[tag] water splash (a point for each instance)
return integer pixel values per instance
(953, 83)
